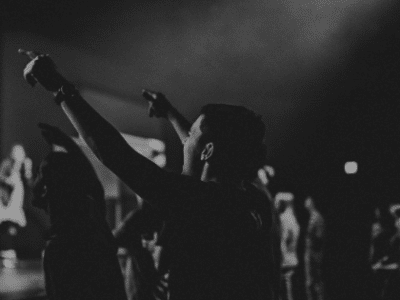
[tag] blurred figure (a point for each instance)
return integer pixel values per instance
(379, 242)
(80, 259)
(382, 230)
(392, 261)
(14, 172)
(313, 256)
(143, 277)
(381, 252)
(290, 233)
(264, 178)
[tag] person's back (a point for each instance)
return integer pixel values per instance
(80, 258)
(217, 244)
(80, 263)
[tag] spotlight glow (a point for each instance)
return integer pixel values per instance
(351, 167)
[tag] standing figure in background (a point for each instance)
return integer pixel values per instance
(14, 171)
(313, 255)
(262, 182)
(391, 263)
(290, 233)
(379, 242)
(382, 231)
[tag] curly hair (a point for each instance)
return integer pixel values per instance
(238, 136)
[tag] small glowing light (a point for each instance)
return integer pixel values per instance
(351, 167)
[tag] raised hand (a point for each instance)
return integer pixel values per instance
(158, 103)
(42, 69)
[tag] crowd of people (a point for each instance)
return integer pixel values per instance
(216, 231)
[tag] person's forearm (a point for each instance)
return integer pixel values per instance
(100, 136)
(107, 143)
(180, 124)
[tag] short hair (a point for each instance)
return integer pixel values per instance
(238, 135)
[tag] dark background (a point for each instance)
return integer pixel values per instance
(324, 75)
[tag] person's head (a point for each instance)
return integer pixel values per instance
(18, 153)
(377, 214)
(227, 138)
(64, 185)
(309, 203)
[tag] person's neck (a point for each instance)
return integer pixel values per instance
(208, 174)
(312, 210)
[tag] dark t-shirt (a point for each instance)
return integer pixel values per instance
(217, 239)
(80, 262)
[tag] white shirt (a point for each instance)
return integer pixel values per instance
(290, 232)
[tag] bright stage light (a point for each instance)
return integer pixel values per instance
(351, 167)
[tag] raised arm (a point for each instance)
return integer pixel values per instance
(160, 107)
(139, 173)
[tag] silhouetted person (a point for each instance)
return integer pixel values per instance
(290, 233)
(216, 226)
(80, 259)
(265, 176)
(380, 236)
(314, 251)
(392, 261)
(382, 230)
